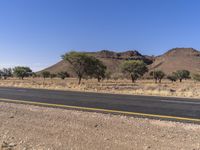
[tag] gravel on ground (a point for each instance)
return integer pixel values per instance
(27, 127)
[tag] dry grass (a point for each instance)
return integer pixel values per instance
(187, 88)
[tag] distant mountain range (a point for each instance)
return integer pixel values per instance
(172, 60)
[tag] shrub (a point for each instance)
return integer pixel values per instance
(172, 78)
(63, 75)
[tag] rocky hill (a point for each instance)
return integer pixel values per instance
(111, 59)
(172, 60)
(176, 59)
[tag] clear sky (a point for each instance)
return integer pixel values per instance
(36, 32)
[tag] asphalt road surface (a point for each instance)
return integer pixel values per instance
(164, 106)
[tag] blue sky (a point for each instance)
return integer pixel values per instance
(36, 32)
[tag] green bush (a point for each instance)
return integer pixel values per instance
(134, 68)
(158, 75)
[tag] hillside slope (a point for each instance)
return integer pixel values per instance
(177, 59)
(111, 59)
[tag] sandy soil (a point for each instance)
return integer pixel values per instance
(26, 127)
(188, 88)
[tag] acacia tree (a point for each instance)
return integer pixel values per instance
(22, 72)
(96, 69)
(79, 63)
(135, 68)
(158, 75)
(5, 73)
(46, 74)
(182, 74)
(172, 77)
(63, 74)
(84, 65)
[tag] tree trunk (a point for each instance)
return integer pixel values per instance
(99, 79)
(133, 79)
(79, 80)
(180, 80)
(160, 80)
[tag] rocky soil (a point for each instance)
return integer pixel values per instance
(26, 127)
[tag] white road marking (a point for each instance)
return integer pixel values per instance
(180, 102)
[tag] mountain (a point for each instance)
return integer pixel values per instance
(173, 60)
(111, 59)
(177, 59)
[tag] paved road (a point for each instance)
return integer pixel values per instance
(178, 107)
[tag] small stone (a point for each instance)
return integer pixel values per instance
(4, 144)
(147, 147)
(172, 90)
(163, 135)
(12, 145)
(106, 139)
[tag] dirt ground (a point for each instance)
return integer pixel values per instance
(26, 127)
(188, 88)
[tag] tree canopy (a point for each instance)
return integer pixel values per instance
(84, 65)
(158, 75)
(5, 73)
(172, 77)
(78, 62)
(46, 74)
(63, 74)
(182, 74)
(96, 69)
(22, 72)
(135, 68)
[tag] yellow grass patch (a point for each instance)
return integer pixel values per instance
(187, 88)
